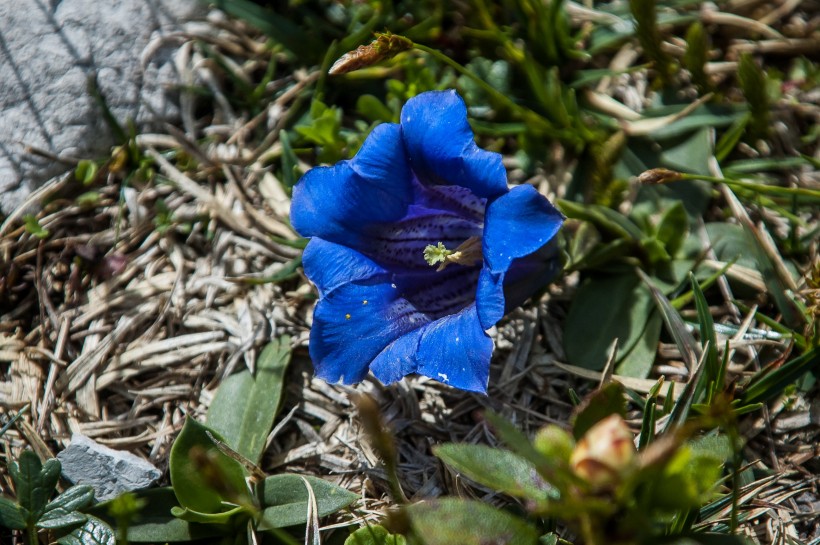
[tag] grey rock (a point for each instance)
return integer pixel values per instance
(110, 472)
(48, 50)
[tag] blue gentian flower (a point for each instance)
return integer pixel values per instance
(417, 194)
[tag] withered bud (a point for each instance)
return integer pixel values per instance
(375, 428)
(385, 46)
(659, 176)
(604, 453)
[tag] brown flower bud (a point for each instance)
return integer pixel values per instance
(659, 176)
(604, 453)
(385, 46)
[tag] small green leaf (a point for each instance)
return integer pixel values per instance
(93, 532)
(610, 399)
(33, 226)
(374, 535)
(286, 499)
(498, 469)
(452, 521)
(245, 407)
(60, 518)
(203, 477)
(86, 172)
(12, 515)
(35, 482)
(75, 498)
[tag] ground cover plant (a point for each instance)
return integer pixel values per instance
(662, 389)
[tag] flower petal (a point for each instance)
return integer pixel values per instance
(329, 265)
(354, 323)
(441, 147)
(453, 350)
(338, 203)
(490, 303)
(518, 224)
(529, 274)
(517, 252)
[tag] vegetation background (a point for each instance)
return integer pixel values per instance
(679, 138)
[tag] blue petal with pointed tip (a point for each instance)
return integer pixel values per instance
(342, 202)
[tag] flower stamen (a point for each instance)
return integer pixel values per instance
(467, 254)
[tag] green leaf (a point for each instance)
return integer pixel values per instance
(93, 532)
(245, 411)
(12, 515)
(156, 524)
(497, 469)
(708, 338)
(373, 109)
(673, 228)
(638, 362)
(34, 481)
(33, 226)
(374, 535)
(86, 172)
(772, 381)
(677, 327)
(606, 308)
(203, 477)
(452, 521)
(285, 498)
(607, 400)
(60, 518)
(75, 498)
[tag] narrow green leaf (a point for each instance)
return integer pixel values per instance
(708, 338)
(677, 327)
(374, 535)
(697, 55)
(452, 521)
(204, 477)
(285, 498)
(12, 515)
(497, 469)
(753, 84)
(770, 383)
(93, 532)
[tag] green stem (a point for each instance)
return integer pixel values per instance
(759, 188)
(31, 534)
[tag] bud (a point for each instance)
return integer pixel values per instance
(385, 46)
(659, 176)
(554, 443)
(604, 453)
